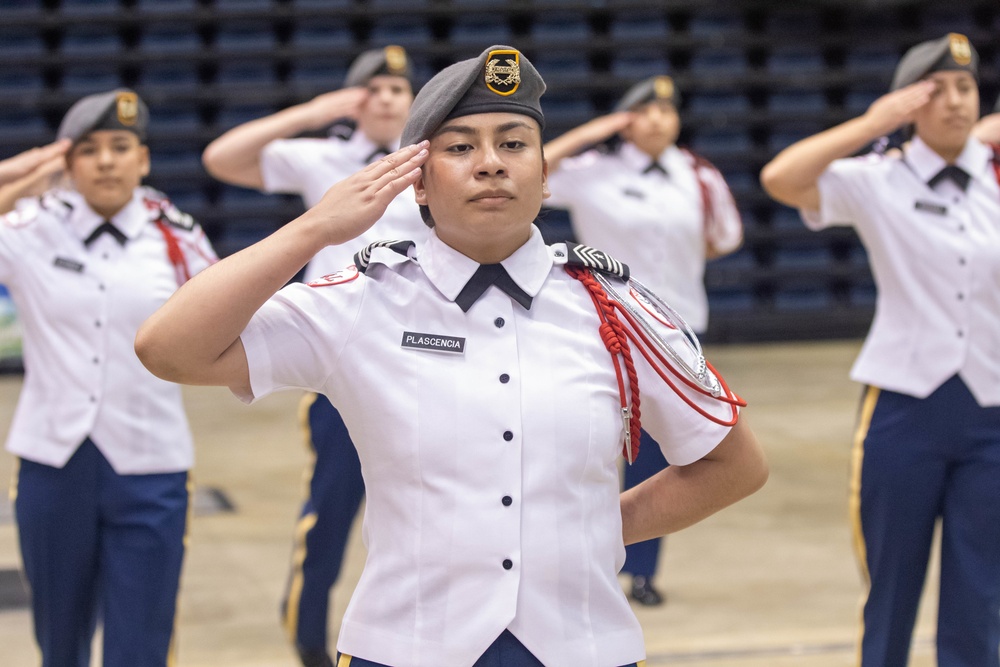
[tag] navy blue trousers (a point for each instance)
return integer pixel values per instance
(641, 557)
(335, 492)
(101, 546)
(915, 461)
(506, 651)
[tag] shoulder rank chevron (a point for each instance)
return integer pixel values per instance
(592, 258)
(363, 258)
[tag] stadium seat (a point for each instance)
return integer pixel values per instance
(638, 24)
(173, 120)
(480, 29)
(159, 40)
(318, 74)
(731, 300)
(714, 143)
(715, 27)
(711, 62)
(90, 40)
(82, 80)
(23, 126)
(89, 7)
(797, 101)
(230, 117)
(800, 60)
(798, 23)
(633, 65)
(856, 102)
(166, 6)
(245, 73)
(239, 37)
(880, 60)
(322, 33)
(21, 8)
(561, 69)
(20, 42)
(23, 82)
(171, 78)
(803, 299)
(715, 103)
(560, 28)
(406, 32)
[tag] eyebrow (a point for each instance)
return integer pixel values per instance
(466, 129)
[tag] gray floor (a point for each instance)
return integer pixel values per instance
(769, 582)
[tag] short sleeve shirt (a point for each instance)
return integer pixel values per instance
(935, 256)
(80, 308)
(489, 443)
(309, 167)
(652, 221)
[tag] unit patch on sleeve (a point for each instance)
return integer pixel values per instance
(338, 278)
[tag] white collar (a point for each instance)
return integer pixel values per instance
(639, 160)
(975, 158)
(449, 270)
(83, 220)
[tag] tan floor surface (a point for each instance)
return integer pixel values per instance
(770, 582)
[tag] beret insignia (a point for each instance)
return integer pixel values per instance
(592, 258)
(363, 258)
(395, 60)
(503, 71)
(127, 107)
(961, 50)
(663, 87)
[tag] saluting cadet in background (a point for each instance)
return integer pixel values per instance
(660, 209)
(21, 174)
(928, 438)
(263, 154)
(102, 489)
(473, 373)
(988, 127)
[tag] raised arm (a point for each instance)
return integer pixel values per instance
(792, 176)
(681, 496)
(591, 132)
(30, 173)
(195, 337)
(235, 156)
(987, 129)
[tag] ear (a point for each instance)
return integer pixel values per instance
(420, 190)
(546, 193)
(144, 160)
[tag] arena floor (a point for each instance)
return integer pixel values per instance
(769, 582)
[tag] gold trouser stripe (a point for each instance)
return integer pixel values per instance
(14, 476)
(302, 528)
(854, 500)
(345, 661)
(172, 651)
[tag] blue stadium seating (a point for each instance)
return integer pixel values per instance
(636, 64)
(799, 23)
(245, 73)
(24, 81)
(803, 299)
(715, 143)
(731, 300)
(87, 79)
(406, 32)
(800, 60)
(166, 6)
(319, 73)
(639, 24)
(230, 117)
(710, 62)
(715, 103)
(90, 40)
(158, 40)
(561, 69)
(23, 126)
(20, 42)
(871, 60)
(322, 33)
(857, 101)
(480, 30)
(716, 26)
(250, 36)
(173, 120)
(89, 7)
(21, 8)
(784, 217)
(797, 101)
(560, 28)
(169, 78)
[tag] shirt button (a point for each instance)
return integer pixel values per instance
(507, 500)
(559, 253)
(507, 563)
(961, 261)
(961, 333)
(97, 323)
(508, 436)
(96, 360)
(93, 399)
(960, 296)
(499, 322)
(101, 287)
(505, 378)
(961, 228)
(105, 256)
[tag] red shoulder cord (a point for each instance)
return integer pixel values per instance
(708, 210)
(996, 160)
(616, 338)
(174, 253)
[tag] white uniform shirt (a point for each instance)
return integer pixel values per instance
(309, 167)
(653, 222)
(79, 310)
(506, 451)
(935, 256)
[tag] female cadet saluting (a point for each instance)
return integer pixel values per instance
(660, 209)
(928, 439)
(485, 407)
(101, 496)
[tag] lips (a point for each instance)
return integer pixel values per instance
(493, 196)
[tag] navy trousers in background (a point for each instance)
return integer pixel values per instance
(335, 493)
(917, 460)
(641, 557)
(97, 545)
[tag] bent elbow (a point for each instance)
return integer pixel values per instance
(152, 355)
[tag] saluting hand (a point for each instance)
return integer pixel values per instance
(893, 110)
(356, 203)
(343, 103)
(30, 161)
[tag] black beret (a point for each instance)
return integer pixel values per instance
(500, 79)
(951, 52)
(114, 110)
(654, 88)
(389, 60)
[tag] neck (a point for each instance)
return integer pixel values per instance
(948, 153)
(486, 251)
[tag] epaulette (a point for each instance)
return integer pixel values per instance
(363, 258)
(163, 209)
(578, 254)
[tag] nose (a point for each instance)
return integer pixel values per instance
(490, 163)
(953, 96)
(105, 157)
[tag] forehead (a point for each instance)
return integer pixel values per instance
(488, 123)
(661, 105)
(380, 80)
(951, 76)
(105, 136)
